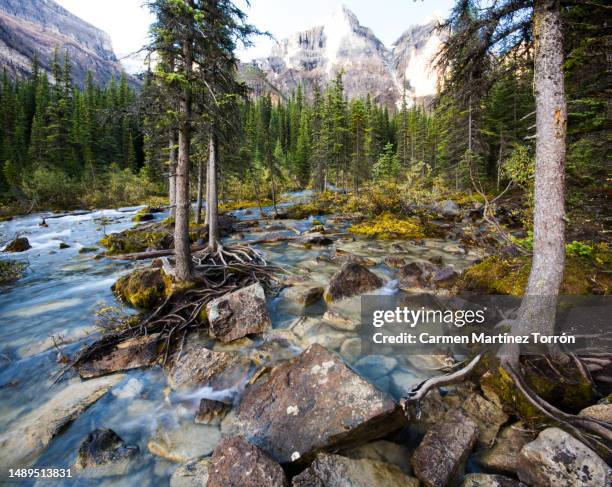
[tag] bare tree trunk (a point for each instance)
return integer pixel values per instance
(198, 215)
(537, 312)
(181, 226)
(213, 203)
(172, 150)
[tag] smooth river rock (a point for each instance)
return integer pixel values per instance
(31, 434)
(237, 462)
(184, 442)
(486, 480)
(557, 458)
(238, 314)
(193, 473)
(336, 471)
(313, 403)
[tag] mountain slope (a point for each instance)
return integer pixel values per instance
(29, 27)
(342, 44)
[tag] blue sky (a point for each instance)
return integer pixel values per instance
(127, 21)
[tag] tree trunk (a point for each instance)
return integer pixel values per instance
(198, 215)
(212, 203)
(181, 226)
(172, 171)
(538, 308)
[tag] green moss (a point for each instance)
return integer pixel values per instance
(135, 240)
(242, 205)
(10, 271)
(499, 275)
(142, 288)
(87, 250)
(388, 226)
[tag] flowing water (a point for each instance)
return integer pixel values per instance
(56, 303)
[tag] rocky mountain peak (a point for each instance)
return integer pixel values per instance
(38, 27)
(340, 43)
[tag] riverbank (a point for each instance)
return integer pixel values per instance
(337, 400)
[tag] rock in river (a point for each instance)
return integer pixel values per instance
(311, 403)
(304, 294)
(200, 366)
(104, 453)
(352, 279)
(20, 244)
(337, 471)
(142, 288)
(237, 462)
(211, 411)
(193, 473)
(31, 434)
(238, 314)
(503, 457)
(185, 442)
(557, 458)
(440, 458)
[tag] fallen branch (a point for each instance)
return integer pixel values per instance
(153, 254)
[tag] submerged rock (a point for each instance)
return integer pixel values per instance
(236, 462)
(344, 256)
(557, 458)
(20, 244)
(383, 451)
(375, 366)
(29, 435)
(338, 321)
(238, 314)
(486, 480)
(352, 279)
(193, 473)
(336, 471)
(440, 458)
(142, 288)
(104, 453)
(200, 366)
(185, 442)
(132, 353)
(211, 411)
(312, 403)
(316, 240)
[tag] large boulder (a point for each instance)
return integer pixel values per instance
(503, 456)
(557, 458)
(103, 453)
(440, 458)
(448, 209)
(142, 288)
(200, 366)
(352, 279)
(20, 244)
(313, 403)
(486, 480)
(129, 354)
(236, 462)
(238, 314)
(336, 471)
(29, 436)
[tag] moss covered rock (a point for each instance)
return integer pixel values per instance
(509, 275)
(10, 271)
(142, 288)
(388, 226)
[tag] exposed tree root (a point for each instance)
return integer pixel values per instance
(594, 433)
(216, 272)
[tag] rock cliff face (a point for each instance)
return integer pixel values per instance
(342, 44)
(29, 27)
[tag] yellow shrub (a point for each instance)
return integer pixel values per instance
(388, 226)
